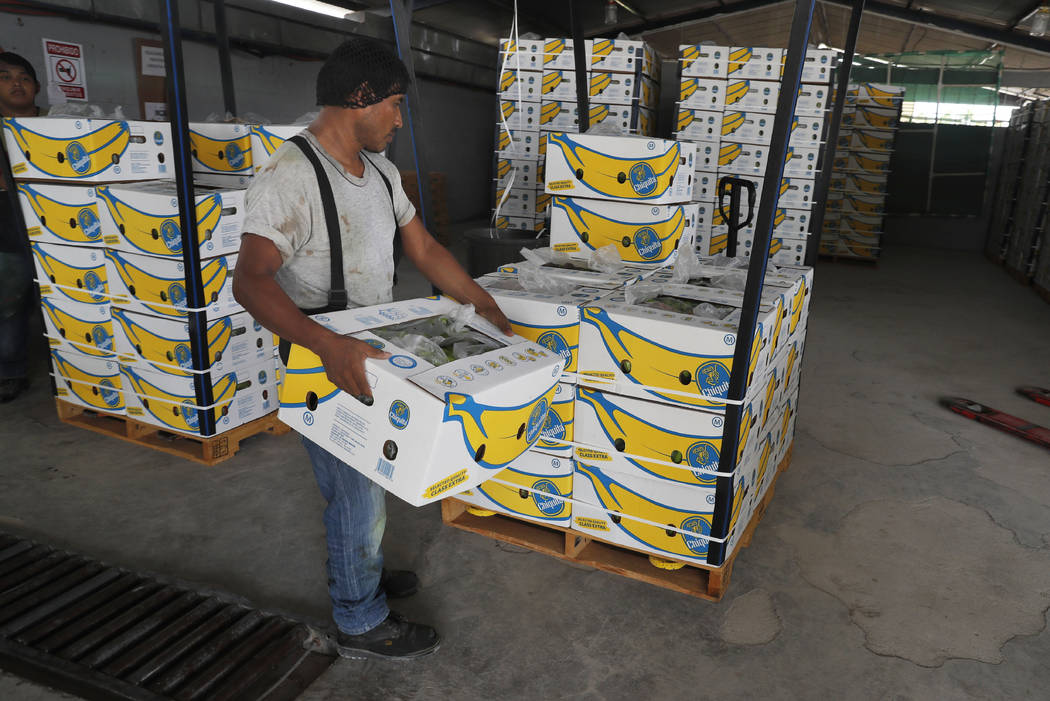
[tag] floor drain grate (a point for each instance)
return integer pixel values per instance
(106, 633)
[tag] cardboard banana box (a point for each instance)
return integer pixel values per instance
(871, 117)
(559, 53)
(221, 148)
(623, 89)
(703, 61)
(795, 192)
(77, 273)
(857, 139)
(163, 344)
(644, 235)
(752, 95)
(60, 213)
(145, 218)
(705, 187)
(517, 143)
(153, 285)
(87, 150)
(77, 327)
(707, 155)
(267, 138)
(653, 171)
(817, 66)
(431, 430)
(526, 223)
(622, 119)
(812, 100)
(695, 124)
(622, 56)
(757, 128)
(802, 162)
(534, 487)
(742, 159)
(523, 54)
(520, 85)
(520, 116)
(841, 201)
(172, 401)
(755, 62)
(516, 202)
(863, 182)
(576, 272)
(705, 94)
(525, 171)
(87, 380)
(875, 95)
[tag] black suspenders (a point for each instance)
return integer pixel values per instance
(337, 296)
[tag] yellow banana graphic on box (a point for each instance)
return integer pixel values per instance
(598, 113)
(685, 118)
(863, 206)
(879, 121)
(719, 243)
(727, 153)
(648, 242)
(551, 49)
(883, 98)
(222, 155)
(864, 185)
(496, 435)
(507, 80)
(763, 458)
(747, 422)
(551, 81)
(785, 424)
(72, 158)
(689, 55)
(549, 111)
(270, 141)
(503, 167)
(656, 367)
(503, 141)
(623, 501)
(860, 225)
(543, 200)
(509, 107)
(872, 164)
(179, 411)
(563, 340)
(90, 283)
(771, 389)
(859, 249)
(739, 58)
(103, 392)
(873, 141)
(731, 121)
(638, 437)
(797, 305)
(686, 89)
(161, 294)
(792, 359)
(173, 351)
(601, 49)
(599, 82)
(737, 90)
(778, 322)
(159, 234)
(72, 222)
(626, 178)
(90, 337)
(540, 498)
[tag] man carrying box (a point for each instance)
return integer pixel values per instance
(18, 91)
(327, 196)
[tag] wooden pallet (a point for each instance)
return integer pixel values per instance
(207, 450)
(567, 544)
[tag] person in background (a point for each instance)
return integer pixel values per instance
(18, 90)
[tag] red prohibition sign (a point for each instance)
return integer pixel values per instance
(66, 70)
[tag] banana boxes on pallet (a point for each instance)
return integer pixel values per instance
(863, 162)
(265, 139)
(703, 61)
(795, 192)
(163, 344)
(77, 327)
(173, 401)
(623, 89)
(144, 218)
(525, 171)
(817, 65)
(875, 95)
(516, 202)
(802, 162)
(517, 143)
(522, 86)
(643, 235)
(879, 140)
(90, 381)
(559, 85)
(755, 62)
(60, 213)
(863, 182)
(551, 319)
(153, 285)
(77, 273)
(534, 487)
(782, 250)
(742, 159)
(869, 117)
(707, 94)
(622, 119)
(431, 430)
(577, 273)
(622, 56)
(812, 100)
(699, 125)
(87, 150)
(757, 128)
(521, 223)
(653, 171)
(854, 222)
(559, 54)
(752, 95)
(225, 149)
(523, 54)
(705, 186)
(520, 116)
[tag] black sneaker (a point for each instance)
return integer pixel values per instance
(394, 638)
(399, 583)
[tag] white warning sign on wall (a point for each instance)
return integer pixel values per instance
(65, 68)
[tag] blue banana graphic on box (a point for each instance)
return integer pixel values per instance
(494, 434)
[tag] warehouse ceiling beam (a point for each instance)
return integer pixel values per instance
(676, 18)
(956, 26)
(1026, 14)
(539, 21)
(222, 41)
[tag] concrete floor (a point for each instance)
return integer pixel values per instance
(906, 554)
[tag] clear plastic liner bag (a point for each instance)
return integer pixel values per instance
(706, 310)
(687, 267)
(605, 259)
(421, 346)
(536, 279)
(641, 292)
(462, 316)
(255, 118)
(537, 256)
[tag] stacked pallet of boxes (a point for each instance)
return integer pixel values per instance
(727, 104)
(856, 205)
(648, 356)
(1011, 174)
(538, 95)
(102, 217)
(1027, 235)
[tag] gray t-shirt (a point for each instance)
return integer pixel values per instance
(283, 204)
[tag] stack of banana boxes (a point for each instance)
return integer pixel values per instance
(727, 104)
(856, 201)
(630, 452)
(102, 216)
(537, 93)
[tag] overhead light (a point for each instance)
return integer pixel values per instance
(324, 8)
(879, 60)
(1040, 22)
(610, 12)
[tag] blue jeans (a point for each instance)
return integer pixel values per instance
(354, 522)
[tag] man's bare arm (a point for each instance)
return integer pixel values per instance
(442, 269)
(257, 291)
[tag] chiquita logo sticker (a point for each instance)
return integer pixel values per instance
(643, 179)
(554, 341)
(536, 420)
(78, 157)
(713, 379)
(697, 543)
(703, 456)
(89, 224)
(399, 414)
(647, 243)
(548, 503)
(110, 395)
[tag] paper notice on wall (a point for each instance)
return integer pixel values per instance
(155, 111)
(65, 68)
(153, 61)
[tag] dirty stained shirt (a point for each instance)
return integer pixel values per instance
(283, 204)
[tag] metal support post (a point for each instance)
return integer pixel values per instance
(180, 143)
(820, 195)
(222, 41)
(583, 81)
(738, 376)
